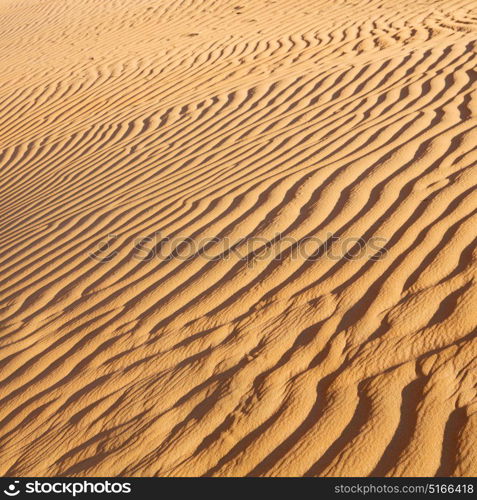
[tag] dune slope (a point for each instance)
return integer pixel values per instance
(238, 237)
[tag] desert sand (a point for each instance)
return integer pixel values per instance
(238, 238)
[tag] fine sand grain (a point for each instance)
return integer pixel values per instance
(238, 238)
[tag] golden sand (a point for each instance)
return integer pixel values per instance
(319, 157)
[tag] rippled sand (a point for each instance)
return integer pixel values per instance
(238, 238)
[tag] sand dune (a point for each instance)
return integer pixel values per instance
(238, 238)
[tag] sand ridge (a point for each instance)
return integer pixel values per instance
(238, 238)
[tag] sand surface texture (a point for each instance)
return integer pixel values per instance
(238, 237)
